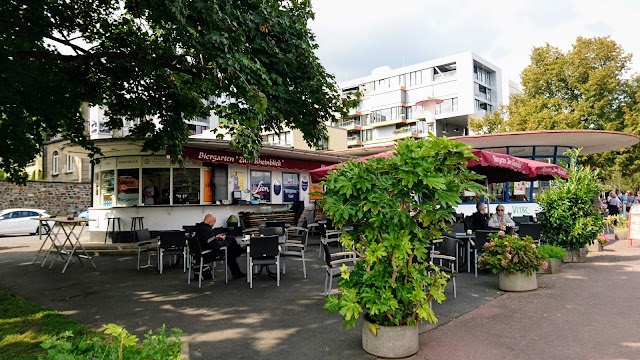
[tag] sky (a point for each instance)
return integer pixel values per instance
(357, 36)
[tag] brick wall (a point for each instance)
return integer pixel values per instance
(58, 198)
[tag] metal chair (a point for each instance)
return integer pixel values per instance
(295, 248)
(145, 244)
(172, 243)
(200, 257)
(482, 237)
(447, 254)
(327, 235)
(334, 262)
(530, 229)
(263, 251)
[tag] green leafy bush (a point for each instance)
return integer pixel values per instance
(551, 252)
(570, 219)
(120, 344)
(393, 281)
(510, 254)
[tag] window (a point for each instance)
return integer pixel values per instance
(128, 185)
(446, 106)
(69, 167)
(156, 186)
(55, 163)
(290, 187)
(444, 71)
(186, 186)
(261, 185)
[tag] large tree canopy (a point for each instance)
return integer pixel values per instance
(588, 87)
(251, 62)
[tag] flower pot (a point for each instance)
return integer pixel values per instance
(553, 266)
(621, 234)
(576, 255)
(390, 341)
(517, 281)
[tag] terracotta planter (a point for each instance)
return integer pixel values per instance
(576, 255)
(390, 341)
(553, 266)
(517, 281)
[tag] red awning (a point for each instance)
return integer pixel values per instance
(496, 167)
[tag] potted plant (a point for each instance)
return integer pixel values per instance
(601, 240)
(552, 256)
(569, 218)
(516, 261)
(620, 226)
(399, 204)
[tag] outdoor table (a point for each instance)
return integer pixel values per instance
(72, 236)
(467, 239)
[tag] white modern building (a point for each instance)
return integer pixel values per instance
(437, 96)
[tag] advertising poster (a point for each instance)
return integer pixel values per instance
(208, 185)
(291, 188)
(315, 192)
(260, 185)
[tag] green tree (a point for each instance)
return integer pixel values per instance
(587, 87)
(251, 62)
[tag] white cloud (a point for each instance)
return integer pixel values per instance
(356, 36)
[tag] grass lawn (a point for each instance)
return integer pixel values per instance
(24, 326)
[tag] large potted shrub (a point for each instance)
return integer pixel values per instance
(552, 256)
(570, 219)
(398, 204)
(516, 261)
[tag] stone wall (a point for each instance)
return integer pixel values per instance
(58, 198)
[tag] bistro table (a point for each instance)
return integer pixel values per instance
(70, 234)
(467, 238)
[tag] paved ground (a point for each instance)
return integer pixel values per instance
(589, 311)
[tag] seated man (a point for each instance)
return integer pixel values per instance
(500, 220)
(209, 241)
(479, 218)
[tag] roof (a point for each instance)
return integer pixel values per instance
(591, 141)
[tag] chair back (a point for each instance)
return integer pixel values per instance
(189, 229)
(194, 246)
(448, 246)
(530, 229)
(275, 223)
(458, 228)
(482, 237)
(264, 246)
(269, 231)
(327, 254)
(143, 235)
(173, 239)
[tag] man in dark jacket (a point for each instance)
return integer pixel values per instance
(209, 241)
(480, 221)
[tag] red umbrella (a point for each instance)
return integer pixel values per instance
(320, 173)
(495, 167)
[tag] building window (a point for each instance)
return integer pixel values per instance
(290, 188)
(444, 71)
(261, 185)
(55, 169)
(446, 106)
(69, 165)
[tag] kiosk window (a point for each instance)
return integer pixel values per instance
(261, 185)
(186, 186)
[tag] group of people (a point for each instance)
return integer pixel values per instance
(620, 203)
(480, 220)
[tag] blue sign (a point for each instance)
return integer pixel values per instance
(277, 187)
(304, 183)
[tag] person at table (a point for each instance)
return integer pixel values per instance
(500, 220)
(479, 219)
(209, 241)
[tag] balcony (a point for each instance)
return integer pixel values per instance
(350, 124)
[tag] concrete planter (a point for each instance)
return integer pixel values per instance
(553, 266)
(517, 282)
(621, 234)
(576, 255)
(390, 341)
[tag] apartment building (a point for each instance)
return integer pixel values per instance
(437, 96)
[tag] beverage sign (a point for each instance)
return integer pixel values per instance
(634, 224)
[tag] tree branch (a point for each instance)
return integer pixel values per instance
(68, 43)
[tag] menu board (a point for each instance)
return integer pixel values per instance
(634, 224)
